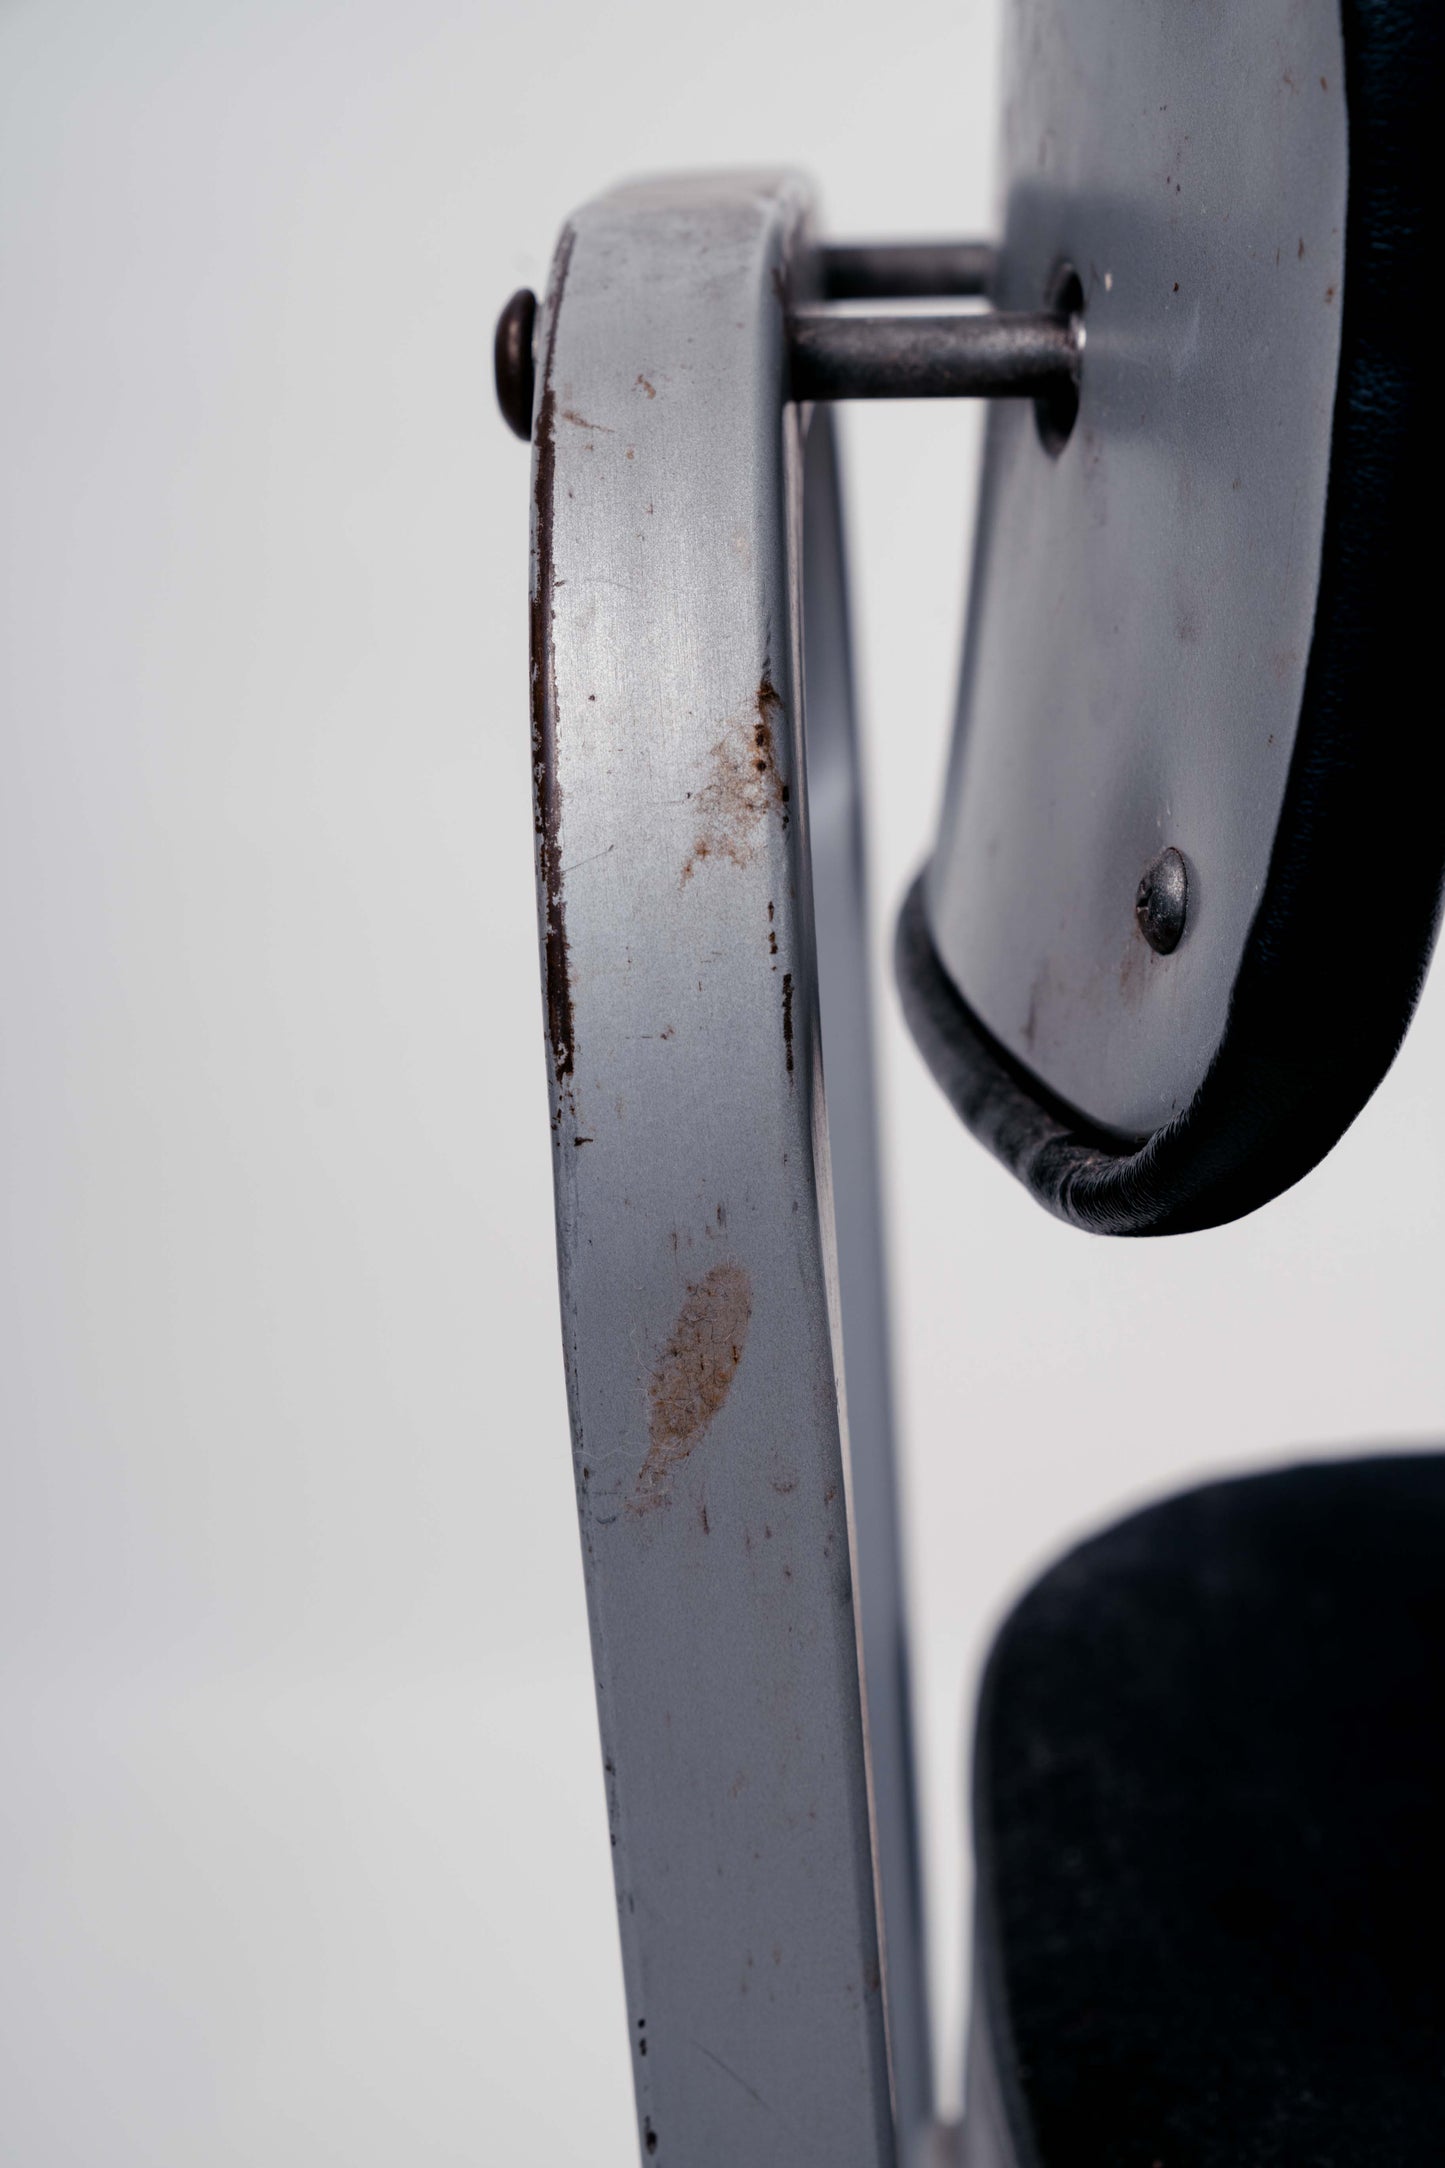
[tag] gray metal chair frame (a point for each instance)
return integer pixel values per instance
(1149, 1049)
(702, 936)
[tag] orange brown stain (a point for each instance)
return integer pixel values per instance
(744, 785)
(693, 1376)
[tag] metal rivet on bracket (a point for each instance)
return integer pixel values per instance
(513, 361)
(1161, 901)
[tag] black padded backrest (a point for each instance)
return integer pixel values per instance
(1343, 933)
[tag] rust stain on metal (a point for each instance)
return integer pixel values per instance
(788, 1020)
(643, 385)
(547, 791)
(744, 785)
(693, 1375)
(768, 702)
(580, 421)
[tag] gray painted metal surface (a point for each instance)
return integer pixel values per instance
(840, 892)
(701, 1314)
(1143, 602)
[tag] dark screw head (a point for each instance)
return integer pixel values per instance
(1161, 902)
(516, 370)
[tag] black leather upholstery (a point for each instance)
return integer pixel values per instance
(1210, 1827)
(1345, 927)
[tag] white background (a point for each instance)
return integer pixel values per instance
(304, 1846)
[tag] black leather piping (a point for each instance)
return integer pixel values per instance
(1342, 938)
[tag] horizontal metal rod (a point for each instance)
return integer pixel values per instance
(905, 270)
(932, 357)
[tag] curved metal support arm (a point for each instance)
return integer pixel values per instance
(735, 1496)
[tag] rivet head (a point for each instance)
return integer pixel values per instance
(1161, 902)
(513, 363)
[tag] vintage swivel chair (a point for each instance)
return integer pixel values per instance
(1183, 895)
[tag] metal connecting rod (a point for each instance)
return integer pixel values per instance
(905, 270)
(932, 357)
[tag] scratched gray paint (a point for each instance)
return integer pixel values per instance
(1142, 605)
(691, 1162)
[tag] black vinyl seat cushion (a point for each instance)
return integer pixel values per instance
(1209, 1804)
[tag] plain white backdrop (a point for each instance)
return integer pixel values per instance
(304, 1845)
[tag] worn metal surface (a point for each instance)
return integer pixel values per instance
(700, 1308)
(1020, 356)
(904, 270)
(1143, 602)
